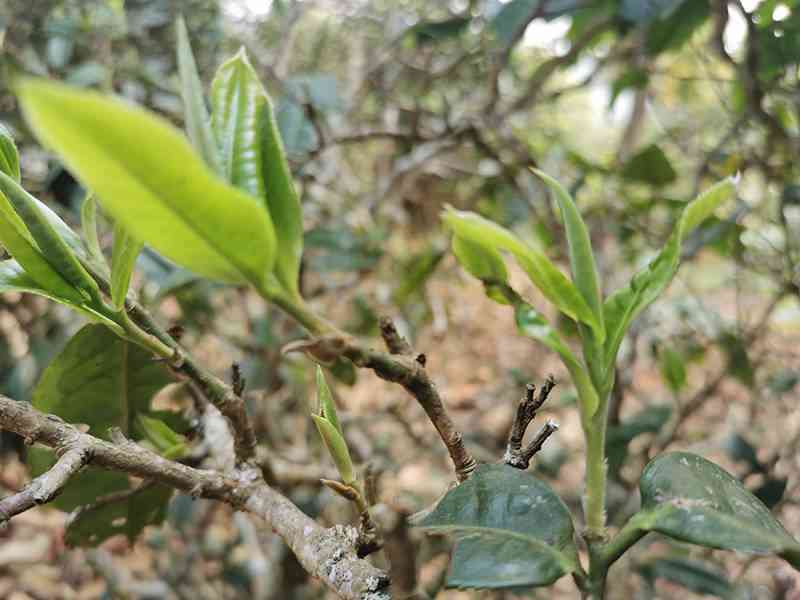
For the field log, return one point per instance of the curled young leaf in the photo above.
(123, 258)
(626, 303)
(553, 284)
(253, 159)
(49, 241)
(198, 123)
(9, 157)
(337, 448)
(147, 177)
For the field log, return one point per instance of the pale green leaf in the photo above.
(483, 262)
(198, 122)
(581, 256)
(9, 157)
(89, 228)
(123, 258)
(551, 282)
(327, 407)
(52, 246)
(254, 159)
(337, 448)
(147, 177)
(626, 303)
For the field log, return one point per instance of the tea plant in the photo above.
(223, 205)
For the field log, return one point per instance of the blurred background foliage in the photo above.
(389, 110)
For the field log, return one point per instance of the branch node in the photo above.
(515, 455)
(395, 343)
(238, 382)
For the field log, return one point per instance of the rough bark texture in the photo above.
(329, 554)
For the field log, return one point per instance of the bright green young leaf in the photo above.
(686, 497)
(626, 303)
(581, 256)
(16, 238)
(337, 448)
(148, 178)
(123, 259)
(198, 122)
(165, 441)
(9, 157)
(673, 368)
(127, 514)
(483, 262)
(52, 246)
(511, 530)
(89, 228)
(103, 381)
(551, 282)
(254, 160)
(327, 407)
(14, 279)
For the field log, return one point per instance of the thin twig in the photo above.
(515, 455)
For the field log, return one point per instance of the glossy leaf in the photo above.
(628, 302)
(123, 258)
(198, 122)
(511, 530)
(52, 246)
(124, 514)
(581, 256)
(9, 157)
(148, 178)
(14, 279)
(690, 574)
(551, 282)
(254, 160)
(337, 448)
(689, 498)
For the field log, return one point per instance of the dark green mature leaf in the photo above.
(649, 165)
(673, 368)
(632, 79)
(619, 437)
(123, 259)
(429, 32)
(581, 256)
(415, 271)
(198, 123)
(254, 160)
(126, 513)
(511, 529)
(645, 11)
(14, 279)
(689, 498)
(693, 575)
(52, 246)
(551, 282)
(626, 303)
(149, 178)
(9, 157)
(676, 29)
(513, 15)
(739, 364)
(103, 381)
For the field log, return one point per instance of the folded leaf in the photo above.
(551, 282)
(327, 407)
(19, 242)
(123, 258)
(198, 123)
(89, 228)
(626, 303)
(52, 246)
(581, 256)
(687, 497)
(9, 157)
(337, 448)
(148, 177)
(511, 530)
(14, 279)
(254, 160)
(483, 262)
